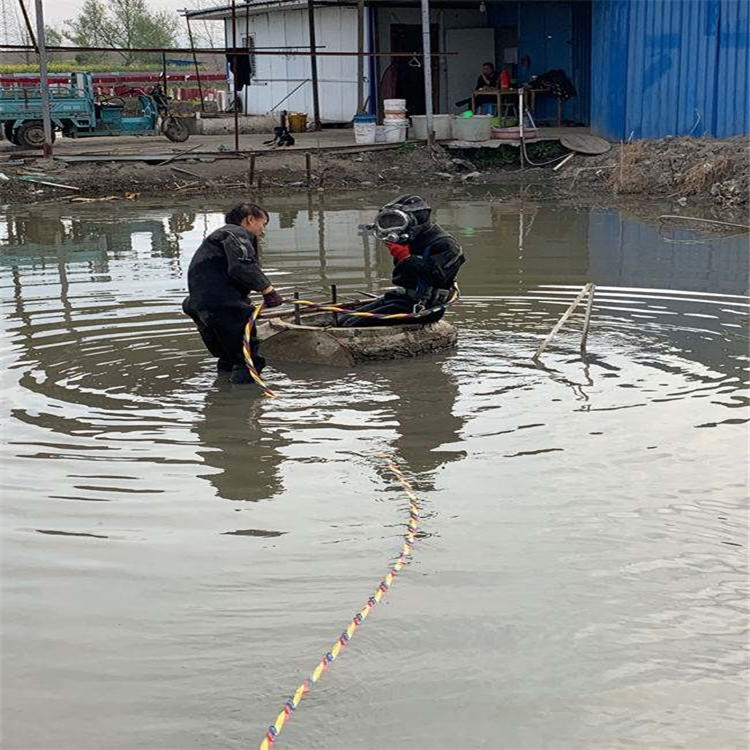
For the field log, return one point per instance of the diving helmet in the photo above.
(401, 220)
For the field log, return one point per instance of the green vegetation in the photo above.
(406, 148)
(70, 66)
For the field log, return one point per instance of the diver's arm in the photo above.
(243, 266)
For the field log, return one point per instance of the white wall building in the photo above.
(527, 37)
(283, 81)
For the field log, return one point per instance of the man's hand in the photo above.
(272, 298)
(398, 251)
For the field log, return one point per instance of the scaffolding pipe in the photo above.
(234, 79)
(27, 21)
(195, 64)
(313, 64)
(427, 65)
(360, 57)
(43, 82)
(291, 51)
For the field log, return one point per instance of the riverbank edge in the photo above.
(708, 175)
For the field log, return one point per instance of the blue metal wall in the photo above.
(669, 67)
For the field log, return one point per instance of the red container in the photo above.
(504, 79)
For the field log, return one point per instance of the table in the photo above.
(529, 96)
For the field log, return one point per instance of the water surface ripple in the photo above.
(177, 551)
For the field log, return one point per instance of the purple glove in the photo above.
(273, 299)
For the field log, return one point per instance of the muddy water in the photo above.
(178, 553)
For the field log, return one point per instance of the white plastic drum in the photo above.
(394, 105)
(395, 130)
(364, 129)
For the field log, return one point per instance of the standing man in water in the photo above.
(223, 271)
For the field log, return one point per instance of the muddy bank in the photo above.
(700, 174)
(691, 171)
(404, 165)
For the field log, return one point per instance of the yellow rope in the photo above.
(247, 353)
(286, 710)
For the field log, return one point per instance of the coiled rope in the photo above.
(275, 729)
(454, 297)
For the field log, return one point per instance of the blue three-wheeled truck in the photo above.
(78, 113)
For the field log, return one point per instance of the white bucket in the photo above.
(395, 130)
(379, 134)
(441, 125)
(395, 115)
(394, 105)
(364, 132)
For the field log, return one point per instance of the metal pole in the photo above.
(164, 71)
(43, 83)
(234, 78)
(521, 146)
(427, 65)
(360, 59)
(587, 319)
(195, 63)
(313, 64)
(28, 25)
(577, 301)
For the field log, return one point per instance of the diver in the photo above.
(223, 271)
(426, 260)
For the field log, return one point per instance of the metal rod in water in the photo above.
(334, 300)
(587, 319)
(297, 319)
(561, 322)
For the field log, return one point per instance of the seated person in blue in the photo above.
(426, 260)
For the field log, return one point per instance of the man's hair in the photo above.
(489, 65)
(242, 211)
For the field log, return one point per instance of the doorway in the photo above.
(407, 76)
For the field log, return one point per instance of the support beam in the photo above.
(195, 64)
(360, 59)
(234, 78)
(427, 66)
(43, 82)
(313, 64)
(29, 30)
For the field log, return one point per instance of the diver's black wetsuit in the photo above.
(425, 278)
(223, 271)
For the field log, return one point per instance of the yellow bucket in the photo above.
(297, 122)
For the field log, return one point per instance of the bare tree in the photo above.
(125, 24)
(206, 33)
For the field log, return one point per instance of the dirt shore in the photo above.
(703, 174)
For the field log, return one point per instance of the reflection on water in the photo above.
(180, 550)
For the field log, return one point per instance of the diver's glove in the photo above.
(273, 299)
(398, 250)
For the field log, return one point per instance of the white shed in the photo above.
(283, 81)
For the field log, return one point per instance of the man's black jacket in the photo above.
(225, 268)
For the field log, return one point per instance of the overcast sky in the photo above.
(56, 11)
